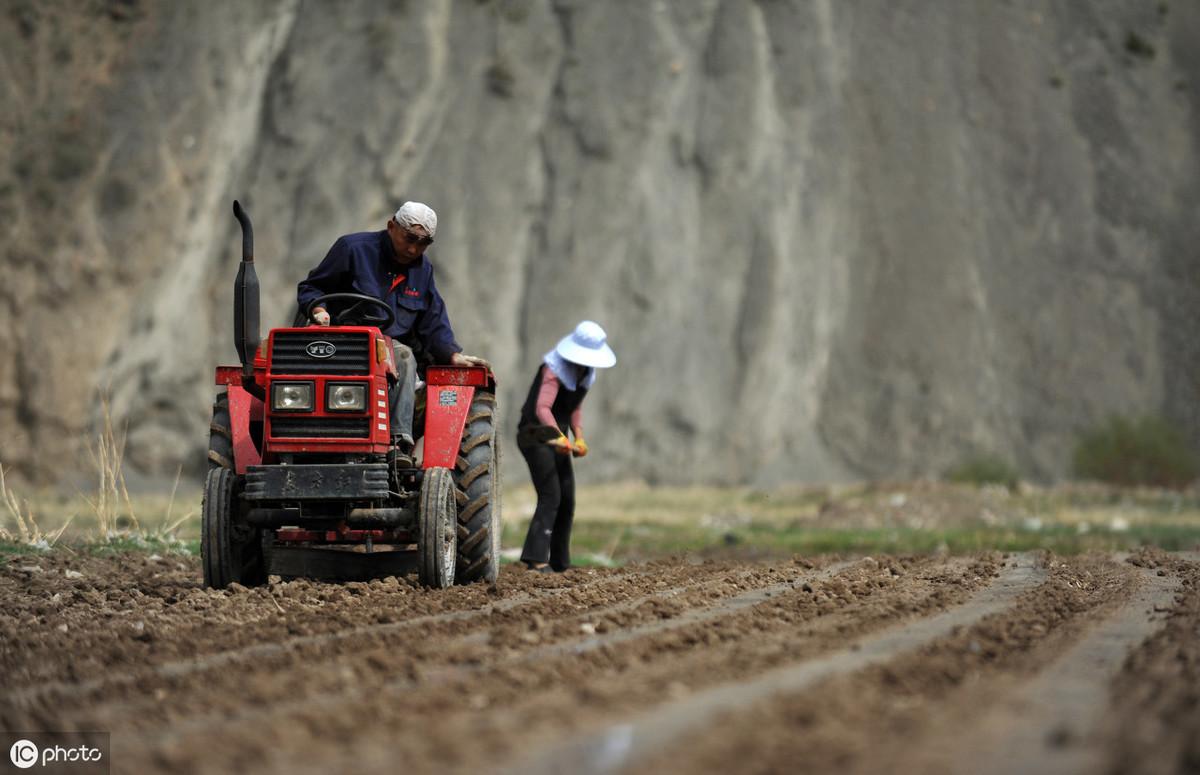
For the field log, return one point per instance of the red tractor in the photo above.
(300, 482)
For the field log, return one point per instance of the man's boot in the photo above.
(400, 454)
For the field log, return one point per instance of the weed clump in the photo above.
(1143, 451)
(984, 469)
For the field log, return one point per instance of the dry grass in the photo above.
(28, 533)
(106, 516)
(108, 455)
(169, 526)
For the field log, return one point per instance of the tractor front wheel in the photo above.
(231, 551)
(437, 539)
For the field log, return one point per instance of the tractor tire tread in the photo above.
(476, 570)
(472, 443)
(226, 559)
(465, 548)
(473, 508)
(477, 476)
(432, 523)
(474, 473)
(220, 435)
(476, 416)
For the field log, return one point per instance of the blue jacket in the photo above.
(366, 263)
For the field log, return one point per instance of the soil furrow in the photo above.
(439, 664)
(915, 664)
(1152, 724)
(621, 745)
(394, 655)
(313, 646)
(541, 700)
(910, 712)
(85, 617)
(1049, 725)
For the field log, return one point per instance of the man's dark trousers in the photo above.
(549, 537)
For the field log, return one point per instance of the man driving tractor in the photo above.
(391, 265)
(296, 486)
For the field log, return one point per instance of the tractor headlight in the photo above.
(342, 397)
(292, 396)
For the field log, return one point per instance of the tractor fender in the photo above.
(446, 408)
(244, 409)
(447, 403)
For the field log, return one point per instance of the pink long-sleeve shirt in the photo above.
(547, 392)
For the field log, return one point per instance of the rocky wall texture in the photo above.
(827, 239)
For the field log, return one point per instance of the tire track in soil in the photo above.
(451, 724)
(622, 745)
(1049, 724)
(311, 646)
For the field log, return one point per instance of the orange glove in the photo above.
(581, 448)
(561, 445)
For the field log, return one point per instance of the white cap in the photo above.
(416, 214)
(586, 346)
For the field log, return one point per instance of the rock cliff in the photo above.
(827, 239)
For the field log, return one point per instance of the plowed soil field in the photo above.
(989, 663)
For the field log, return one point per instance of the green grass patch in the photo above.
(620, 542)
(12, 549)
(140, 542)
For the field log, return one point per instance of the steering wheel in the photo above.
(355, 314)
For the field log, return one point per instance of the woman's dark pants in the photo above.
(549, 536)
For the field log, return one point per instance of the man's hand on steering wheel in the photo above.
(378, 313)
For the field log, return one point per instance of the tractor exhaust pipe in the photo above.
(245, 297)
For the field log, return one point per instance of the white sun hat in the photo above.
(586, 346)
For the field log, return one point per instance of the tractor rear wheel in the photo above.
(231, 550)
(220, 435)
(437, 540)
(477, 476)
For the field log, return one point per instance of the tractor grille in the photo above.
(289, 355)
(320, 427)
